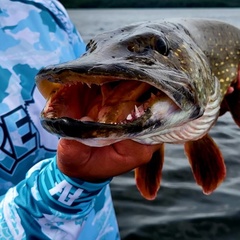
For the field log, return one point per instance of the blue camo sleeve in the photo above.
(34, 34)
(46, 204)
(49, 204)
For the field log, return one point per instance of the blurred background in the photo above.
(148, 3)
(180, 211)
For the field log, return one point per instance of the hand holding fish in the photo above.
(231, 100)
(98, 163)
(154, 83)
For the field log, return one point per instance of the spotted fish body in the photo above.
(155, 83)
(220, 43)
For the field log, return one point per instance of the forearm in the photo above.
(47, 199)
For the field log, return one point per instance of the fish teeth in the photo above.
(129, 117)
(141, 109)
(50, 115)
(153, 95)
(88, 84)
(137, 112)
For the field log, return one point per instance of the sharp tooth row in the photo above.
(88, 84)
(129, 117)
(138, 112)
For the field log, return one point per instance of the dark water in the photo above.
(181, 211)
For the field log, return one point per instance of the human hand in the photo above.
(95, 164)
(231, 100)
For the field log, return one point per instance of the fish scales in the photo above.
(221, 44)
(154, 83)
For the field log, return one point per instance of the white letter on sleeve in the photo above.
(64, 189)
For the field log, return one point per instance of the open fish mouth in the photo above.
(154, 83)
(112, 108)
(129, 86)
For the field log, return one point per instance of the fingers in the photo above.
(95, 164)
(71, 149)
(71, 155)
(230, 90)
(238, 79)
(121, 157)
(133, 152)
(236, 85)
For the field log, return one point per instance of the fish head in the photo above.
(132, 83)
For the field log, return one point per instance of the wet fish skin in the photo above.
(193, 62)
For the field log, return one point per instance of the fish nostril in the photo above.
(91, 46)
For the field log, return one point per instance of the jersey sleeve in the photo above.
(50, 205)
(34, 34)
(45, 204)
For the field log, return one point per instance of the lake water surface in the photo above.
(181, 211)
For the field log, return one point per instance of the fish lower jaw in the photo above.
(188, 131)
(101, 142)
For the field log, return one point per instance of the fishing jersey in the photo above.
(50, 205)
(45, 204)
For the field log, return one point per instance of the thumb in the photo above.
(71, 154)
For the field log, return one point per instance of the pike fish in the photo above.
(152, 82)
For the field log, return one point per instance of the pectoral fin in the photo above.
(207, 163)
(148, 176)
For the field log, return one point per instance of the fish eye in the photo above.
(161, 46)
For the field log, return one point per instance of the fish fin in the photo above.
(148, 176)
(207, 163)
(233, 100)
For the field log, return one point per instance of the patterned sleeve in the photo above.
(33, 34)
(45, 204)
(50, 205)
